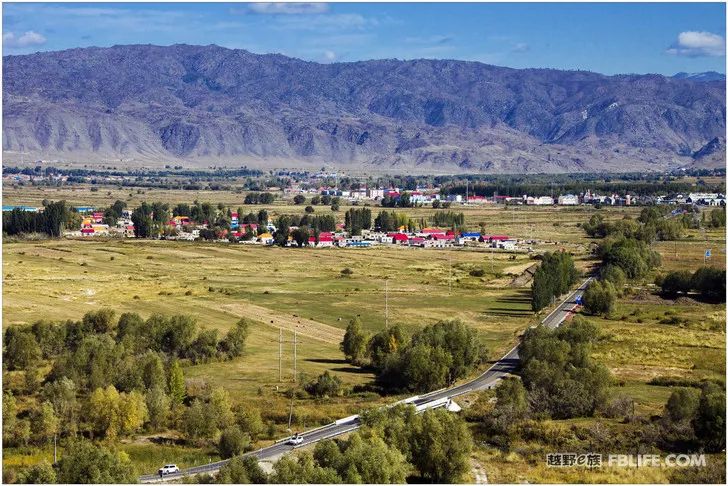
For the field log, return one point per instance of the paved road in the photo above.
(507, 364)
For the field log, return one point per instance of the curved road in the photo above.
(504, 366)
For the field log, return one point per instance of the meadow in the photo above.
(304, 290)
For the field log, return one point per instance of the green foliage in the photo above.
(299, 199)
(682, 404)
(21, 350)
(634, 257)
(709, 422)
(392, 221)
(436, 356)
(325, 385)
(554, 277)
(559, 373)
(242, 470)
(249, 420)
(614, 275)
(54, 218)
(232, 442)
(599, 298)
(84, 463)
(41, 473)
(176, 381)
(677, 282)
(354, 344)
(356, 220)
(441, 447)
(234, 343)
(710, 283)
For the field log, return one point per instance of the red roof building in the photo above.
(398, 237)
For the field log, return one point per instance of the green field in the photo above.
(304, 290)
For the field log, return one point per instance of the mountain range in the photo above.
(148, 105)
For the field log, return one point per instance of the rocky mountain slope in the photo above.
(207, 105)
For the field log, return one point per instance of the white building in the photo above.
(540, 201)
(568, 200)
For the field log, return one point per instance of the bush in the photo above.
(232, 442)
(325, 385)
(599, 298)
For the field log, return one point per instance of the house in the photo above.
(416, 241)
(398, 238)
(471, 236)
(477, 200)
(509, 244)
(324, 241)
(568, 200)
(266, 238)
(540, 201)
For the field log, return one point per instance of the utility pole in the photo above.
(386, 303)
(295, 349)
(449, 277)
(280, 355)
(55, 448)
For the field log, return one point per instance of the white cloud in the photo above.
(290, 8)
(520, 47)
(28, 39)
(329, 56)
(697, 44)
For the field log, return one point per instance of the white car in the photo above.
(168, 469)
(295, 440)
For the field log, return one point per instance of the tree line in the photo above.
(393, 446)
(708, 282)
(112, 378)
(52, 220)
(552, 278)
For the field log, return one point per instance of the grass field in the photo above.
(304, 290)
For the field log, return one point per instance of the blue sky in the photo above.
(608, 38)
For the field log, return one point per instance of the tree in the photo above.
(133, 412)
(177, 387)
(309, 209)
(709, 422)
(21, 349)
(325, 385)
(152, 371)
(45, 423)
(383, 344)
(368, 459)
(242, 470)
(677, 282)
(41, 473)
(84, 463)
(599, 298)
(220, 408)
(10, 418)
(232, 442)
(144, 226)
(615, 275)
(316, 200)
(300, 236)
(354, 345)
(554, 277)
(299, 199)
(158, 406)
(249, 420)
(197, 422)
(682, 404)
(103, 412)
(234, 343)
(441, 445)
(710, 283)
(557, 370)
(62, 395)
